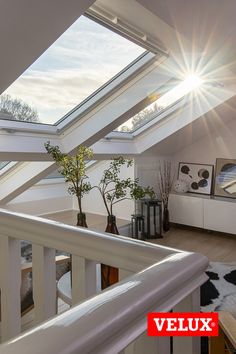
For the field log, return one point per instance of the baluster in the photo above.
(44, 282)
(190, 345)
(84, 279)
(10, 282)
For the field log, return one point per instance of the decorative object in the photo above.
(164, 182)
(73, 168)
(219, 291)
(199, 177)
(152, 212)
(110, 275)
(181, 186)
(114, 189)
(137, 226)
(225, 178)
(166, 219)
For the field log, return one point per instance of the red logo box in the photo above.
(182, 324)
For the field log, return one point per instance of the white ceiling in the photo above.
(208, 24)
(213, 123)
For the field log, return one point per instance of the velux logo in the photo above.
(182, 324)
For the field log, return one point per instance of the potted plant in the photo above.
(73, 169)
(113, 190)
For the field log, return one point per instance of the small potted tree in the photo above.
(113, 190)
(73, 169)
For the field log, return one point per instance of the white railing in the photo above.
(159, 279)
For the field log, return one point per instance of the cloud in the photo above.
(85, 57)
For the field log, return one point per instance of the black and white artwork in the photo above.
(225, 178)
(198, 177)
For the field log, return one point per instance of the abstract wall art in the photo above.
(198, 177)
(225, 178)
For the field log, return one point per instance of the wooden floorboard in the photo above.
(218, 247)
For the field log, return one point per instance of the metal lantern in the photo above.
(152, 212)
(137, 225)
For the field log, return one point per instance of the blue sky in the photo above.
(85, 57)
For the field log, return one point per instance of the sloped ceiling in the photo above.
(212, 123)
(208, 25)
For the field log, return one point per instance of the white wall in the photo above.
(216, 144)
(47, 196)
(220, 144)
(51, 195)
(146, 169)
(93, 203)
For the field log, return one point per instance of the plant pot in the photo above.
(110, 275)
(166, 219)
(81, 220)
(111, 225)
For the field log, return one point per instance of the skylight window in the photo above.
(3, 164)
(84, 58)
(161, 103)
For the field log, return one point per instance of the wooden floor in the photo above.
(216, 246)
(94, 221)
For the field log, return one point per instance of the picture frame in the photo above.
(198, 177)
(225, 178)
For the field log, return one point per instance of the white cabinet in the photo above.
(186, 210)
(220, 215)
(207, 212)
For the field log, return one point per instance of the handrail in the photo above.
(108, 322)
(98, 324)
(121, 252)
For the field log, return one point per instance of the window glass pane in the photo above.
(166, 98)
(84, 58)
(57, 174)
(3, 164)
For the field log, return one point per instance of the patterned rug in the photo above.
(219, 292)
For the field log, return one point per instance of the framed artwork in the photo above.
(198, 176)
(225, 178)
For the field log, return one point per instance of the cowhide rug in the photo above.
(219, 292)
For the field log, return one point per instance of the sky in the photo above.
(84, 58)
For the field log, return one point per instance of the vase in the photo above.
(110, 275)
(81, 220)
(166, 219)
(111, 225)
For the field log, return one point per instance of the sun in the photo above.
(192, 82)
